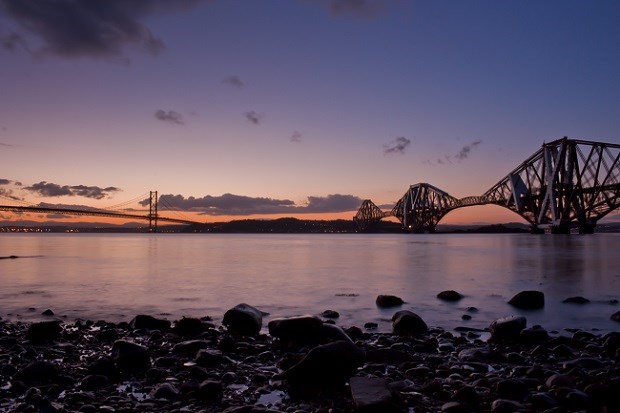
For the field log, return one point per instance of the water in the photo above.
(116, 276)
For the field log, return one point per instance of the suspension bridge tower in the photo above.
(153, 212)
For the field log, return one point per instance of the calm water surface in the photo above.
(114, 277)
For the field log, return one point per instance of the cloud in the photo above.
(5, 144)
(92, 28)
(357, 8)
(8, 192)
(398, 145)
(464, 152)
(230, 204)
(296, 137)
(54, 190)
(12, 42)
(254, 117)
(234, 81)
(170, 116)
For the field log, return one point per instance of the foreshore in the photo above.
(302, 364)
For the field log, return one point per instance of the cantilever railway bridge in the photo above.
(152, 215)
(567, 183)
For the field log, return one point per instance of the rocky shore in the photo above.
(303, 364)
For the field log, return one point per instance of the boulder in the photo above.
(507, 328)
(305, 331)
(528, 300)
(43, 331)
(165, 391)
(189, 326)
(38, 372)
(371, 394)
(209, 358)
(130, 356)
(386, 301)
(210, 390)
(616, 316)
(330, 314)
(327, 365)
(408, 323)
(148, 322)
(94, 382)
(243, 319)
(449, 295)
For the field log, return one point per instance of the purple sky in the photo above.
(317, 103)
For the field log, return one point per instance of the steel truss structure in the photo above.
(566, 184)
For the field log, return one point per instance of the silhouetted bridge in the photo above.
(566, 184)
(152, 215)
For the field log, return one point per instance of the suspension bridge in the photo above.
(566, 184)
(120, 211)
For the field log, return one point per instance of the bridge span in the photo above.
(566, 184)
(152, 216)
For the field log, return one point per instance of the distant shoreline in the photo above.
(279, 226)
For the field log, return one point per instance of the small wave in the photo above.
(180, 299)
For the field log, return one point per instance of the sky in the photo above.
(266, 108)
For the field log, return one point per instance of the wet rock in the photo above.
(507, 328)
(209, 358)
(305, 331)
(129, 355)
(512, 389)
(371, 394)
(386, 301)
(38, 372)
(408, 323)
(449, 295)
(148, 322)
(505, 406)
(455, 407)
(189, 326)
(616, 316)
(243, 319)
(327, 365)
(165, 391)
(94, 382)
(43, 331)
(534, 335)
(190, 347)
(330, 314)
(48, 312)
(528, 300)
(210, 390)
(576, 300)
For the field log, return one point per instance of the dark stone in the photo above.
(505, 406)
(528, 300)
(371, 394)
(455, 407)
(38, 372)
(48, 312)
(210, 390)
(512, 389)
(94, 382)
(507, 328)
(43, 331)
(371, 325)
(408, 323)
(165, 391)
(209, 358)
(191, 347)
(386, 301)
(466, 317)
(616, 316)
(189, 326)
(305, 331)
(148, 322)
(330, 314)
(576, 300)
(449, 295)
(534, 335)
(107, 335)
(129, 356)
(243, 319)
(327, 365)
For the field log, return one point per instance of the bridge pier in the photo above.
(535, 230)
(586, 229)
(560, 229)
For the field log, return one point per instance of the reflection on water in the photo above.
(114, 277)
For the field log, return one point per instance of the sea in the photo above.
(114, 277)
